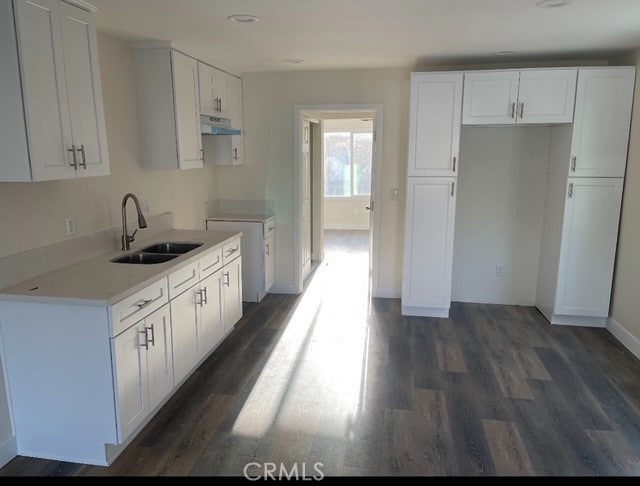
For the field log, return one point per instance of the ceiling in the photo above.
(341, 34)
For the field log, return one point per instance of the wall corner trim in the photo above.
(628, 340)
(8, 450)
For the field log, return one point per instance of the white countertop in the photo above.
(241, 217)
(100, 282)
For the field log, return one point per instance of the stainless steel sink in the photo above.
(142, 258)
(171, 247)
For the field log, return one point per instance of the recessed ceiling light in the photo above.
(552, 3)
(243, 18)
(503, 53)
(293, 61)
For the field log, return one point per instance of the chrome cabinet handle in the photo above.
(271, 228)
(235, 154)
(151, 341)
(513, 109)
(267, 249)
(226, 276)
(574, 161)
(231, 251)
(204, 293)
(522, 109)
(453, 188)
(143, 303)
(455, 161)
(145, 344)
(202, 154)
(84, 157)
(201, 301)
(74, 164)
(571, 190)
(218, 104)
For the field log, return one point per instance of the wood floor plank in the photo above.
(507, 450)
(449, 353)
(619, 456)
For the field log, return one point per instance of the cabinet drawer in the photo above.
(182, 279)
(269, 228)
(230, 251)
(137, 306)
(211, 263)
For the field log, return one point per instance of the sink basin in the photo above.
(141, 258)
(171, 247)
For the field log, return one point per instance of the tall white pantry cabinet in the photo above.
(589, 113)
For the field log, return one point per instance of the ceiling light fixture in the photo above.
(293, 61)
(243, 18)
(552, 3)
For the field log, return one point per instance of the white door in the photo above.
(587, 254)
(434, 131)
(205, 85)
(490, 98)
(159, 355)
(431, 205)
(232, 292)
(211, 328)
(85, 93)
(269, 263)
(130, 350)
(306, 198)
(185, 320)
(601, 128)
(546, 96)
(45, 91)
(187, 106)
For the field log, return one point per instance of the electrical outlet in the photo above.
(499, 270)
(70, 226)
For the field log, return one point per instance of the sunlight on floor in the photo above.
(313, 377)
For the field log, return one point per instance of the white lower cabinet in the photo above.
(232, 292)
(185, 319)
(143, 368)
(269, 262)
(211, 329)
(428, 255)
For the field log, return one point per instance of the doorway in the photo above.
(339, 155)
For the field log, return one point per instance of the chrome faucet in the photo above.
(142, 223)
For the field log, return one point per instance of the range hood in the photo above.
(211, 125)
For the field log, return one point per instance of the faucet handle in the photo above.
(132, 237)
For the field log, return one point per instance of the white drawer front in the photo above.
(230, 251)
(137, 306)
(210, 263)
(269, 228)
(182, 279)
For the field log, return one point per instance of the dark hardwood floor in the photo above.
(336, 378)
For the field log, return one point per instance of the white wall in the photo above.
(269, 100)
(627, 277)
(32, 214)
(499, 213)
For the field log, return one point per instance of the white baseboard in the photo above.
(8, 450)
(284, 289)
(425, 311)
(581, 321)
(346, 226)
(627, 339)
(386, 293)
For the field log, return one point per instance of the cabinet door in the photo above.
(269, 263)
(490, 98)
(429, 243)
(546, 96)
(205, 84)
(221, 93)
(44, 89)
(603, 116)
(434, 135)
(84, 91)
(211, 328)
(130, 367)
(232, 292)
(237, 150)
(185, 321)
(187, 106)
(159, 355)
(587, 255)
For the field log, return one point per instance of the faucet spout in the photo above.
(142, 222)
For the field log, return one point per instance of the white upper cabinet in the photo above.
(546, 96)
(56, 80)
(434, 131)
(208, 103)
(542, 96)
(490, 98)
(168, 96)
(600, 139)
(85, 99)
